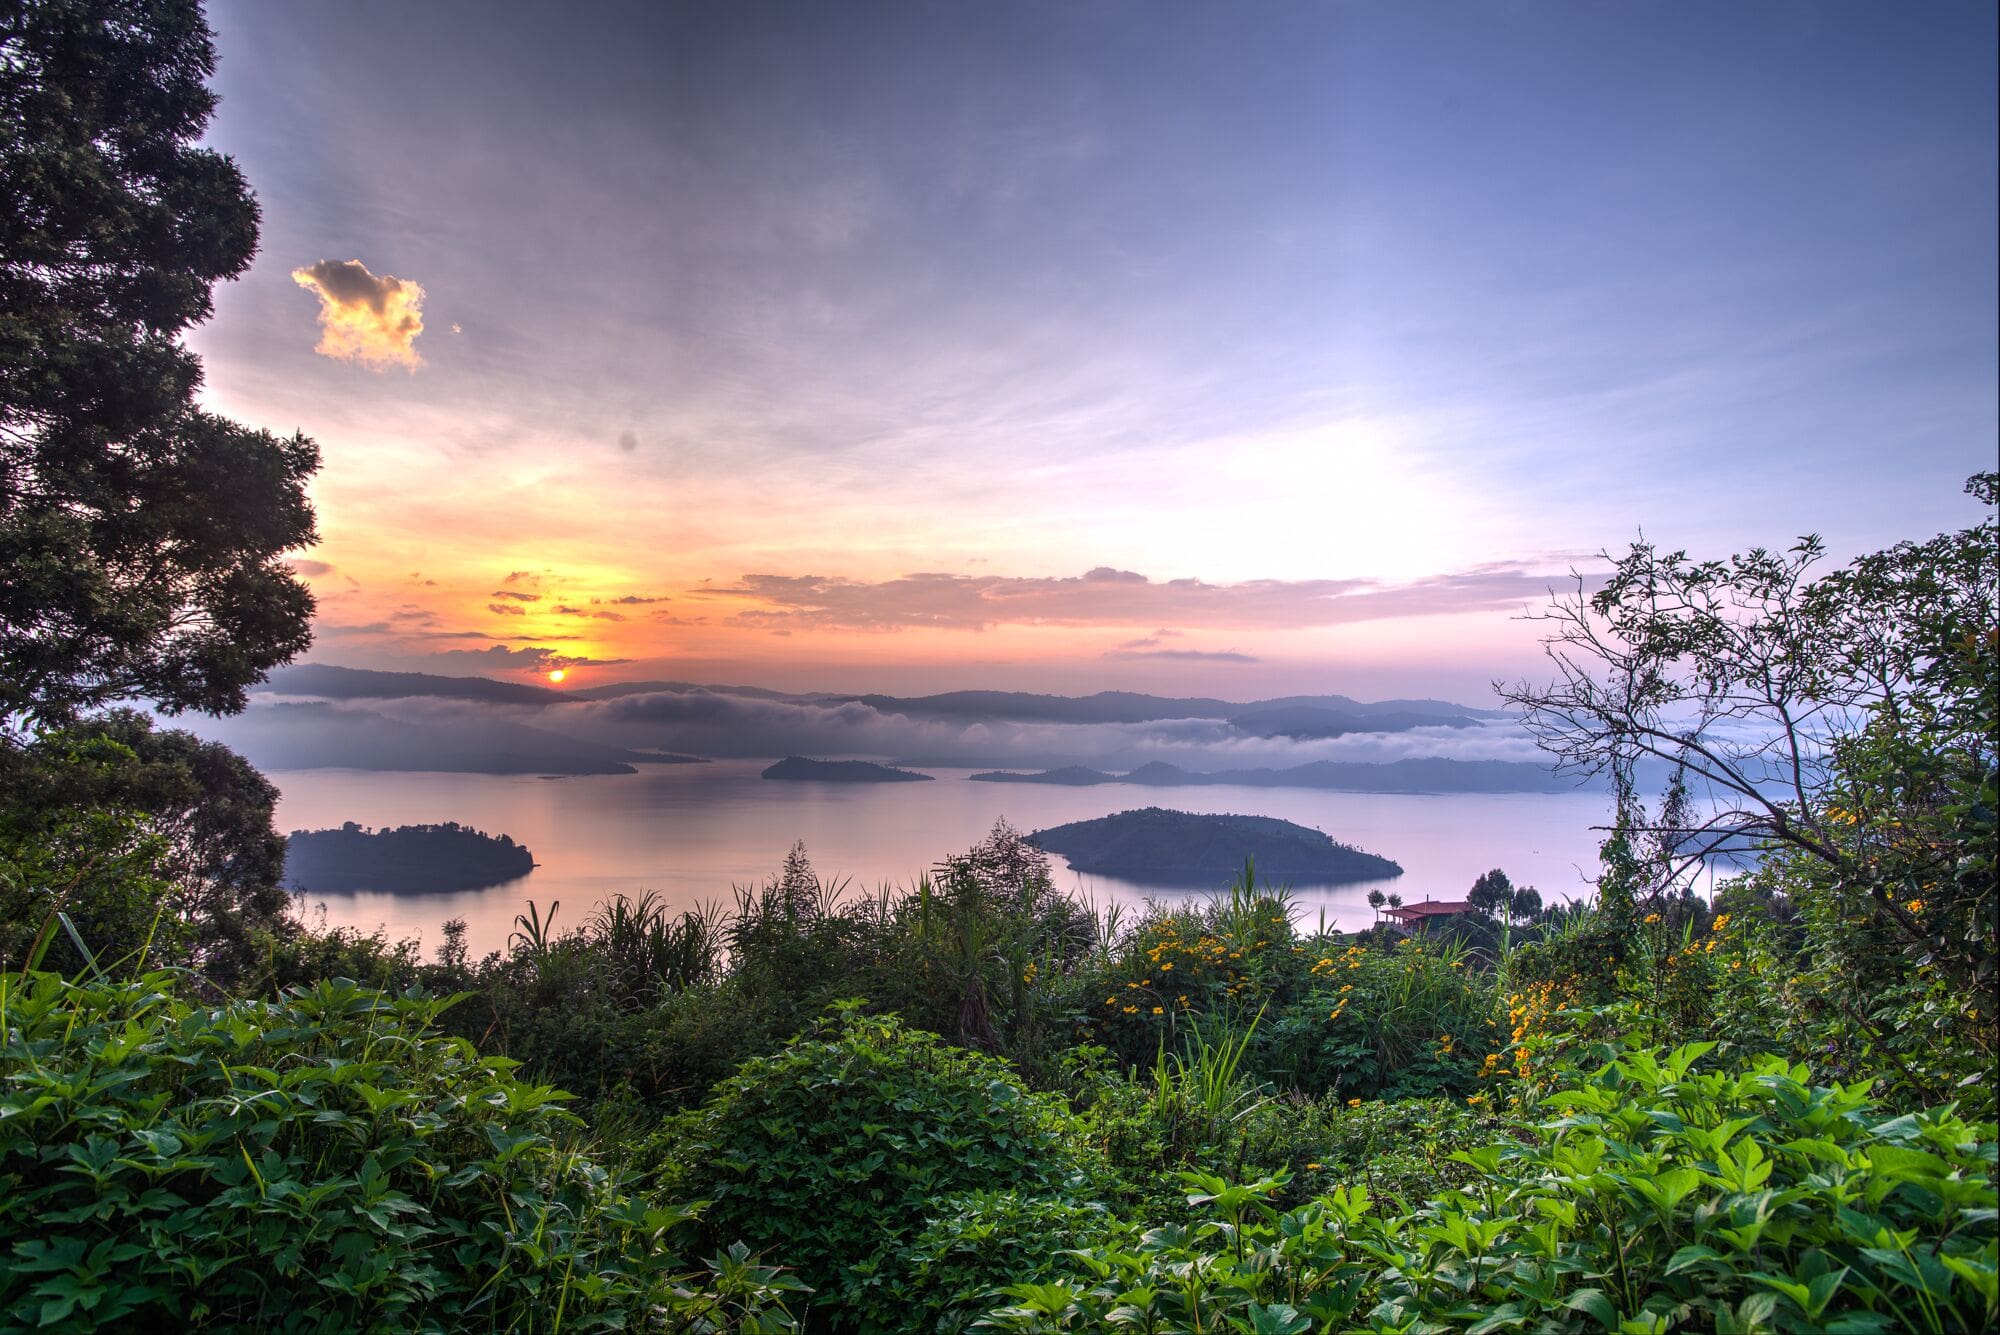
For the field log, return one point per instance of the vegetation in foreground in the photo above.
(974, 1104)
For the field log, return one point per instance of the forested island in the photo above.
(800, 769)
(406, 859)
(1178, 847)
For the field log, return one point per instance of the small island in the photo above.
(800, 769)
(1163, 847)
(408, 859)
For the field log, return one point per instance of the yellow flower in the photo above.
(1164, 968)
(1159, 1010)
(1652, 917)
(1915, 906)
(1312, 1167)
(1354, 1103)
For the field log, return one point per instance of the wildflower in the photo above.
(1111, 1001)
(1167, 967)
(1915, 906)
(1652, 917)
(1312, 1168)
(1475, 1099)
(1354, 1103)
(1159, 1010)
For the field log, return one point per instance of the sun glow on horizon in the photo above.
(556, 675)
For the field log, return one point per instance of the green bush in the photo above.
(833, 1152)
(1662, 1198)
(322, 1162)
(951, 1274)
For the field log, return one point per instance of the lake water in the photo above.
(693, 831)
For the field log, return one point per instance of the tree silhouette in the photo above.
(140, 536)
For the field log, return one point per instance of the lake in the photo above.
(692, 832)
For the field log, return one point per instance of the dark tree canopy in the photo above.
(139, 536)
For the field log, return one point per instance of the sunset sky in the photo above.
(1237, 350)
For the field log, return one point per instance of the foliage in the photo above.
(1846, 724)
(1661, 1197)
(141, 535)
(319, 1162)
(82, 889)
(972, 1246)
(219, 857)
(833, 1151)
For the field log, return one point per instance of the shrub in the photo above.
(832, 1152)
(322, 1162)
(951, 1273)
(1662, 1198)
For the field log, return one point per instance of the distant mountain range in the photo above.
(336, 717)
(1301, 716)
(1430, 775)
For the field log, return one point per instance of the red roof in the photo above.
(1430, 908)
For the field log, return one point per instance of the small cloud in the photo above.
(628, 441)
(455, 329)
(310, 569)
(507, 609)
(533, 658)
(1183, 655)
(517, 597)
(1106, 575)
(522, 577)
(363, 318)
(634, 600)
(565, 610)
(1150, 642)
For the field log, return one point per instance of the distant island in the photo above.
(664, 758)
(1430, 775)
(1179, 848)
(407, 859)
(798, 768)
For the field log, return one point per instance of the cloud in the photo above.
(628, 441)
(1107, 597)
(634, 600)
(522, 577)
(507, 609)
(533, 658)
(717, 722)
(517, 597)
(1134, 650)
(363, 318)
(568, 611)
(310, 569)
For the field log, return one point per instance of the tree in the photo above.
(1848, 721)
(217, 859)
(140, 536)
(1492, 894)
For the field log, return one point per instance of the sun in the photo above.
(557, 674)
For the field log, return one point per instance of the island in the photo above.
(800, 769)
(407, 859)
(1161, 847)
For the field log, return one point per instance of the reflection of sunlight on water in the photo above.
(693, 832)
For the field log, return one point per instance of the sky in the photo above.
(1234, 350)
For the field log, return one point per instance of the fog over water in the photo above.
(692, 831)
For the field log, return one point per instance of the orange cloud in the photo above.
(362, 317)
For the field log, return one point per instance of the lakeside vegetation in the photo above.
(976, 1104)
